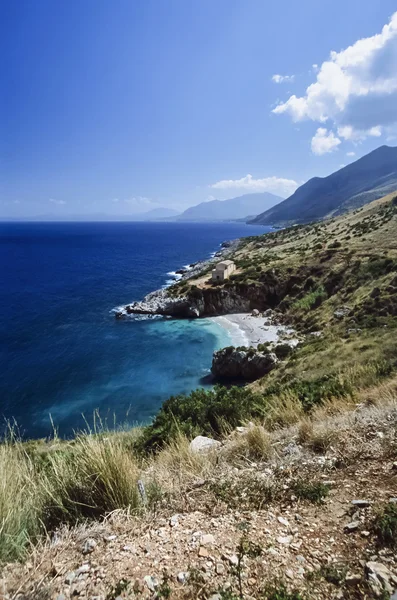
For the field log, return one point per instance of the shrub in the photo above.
(280, 592)
(312, 299)
(385, 526)
(282, 351)
(314, 491)
(200, 413)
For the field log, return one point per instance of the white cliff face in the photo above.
(159, 303)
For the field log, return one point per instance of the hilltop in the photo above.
(241, 207)
(295, 497)
(364, 180)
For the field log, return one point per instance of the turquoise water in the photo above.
(63, 354)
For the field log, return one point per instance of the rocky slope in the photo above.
(288, 522)
(364, 180)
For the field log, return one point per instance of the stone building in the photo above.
(223, 270)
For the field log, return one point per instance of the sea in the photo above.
(63, 356)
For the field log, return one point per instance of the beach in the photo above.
(245, 329)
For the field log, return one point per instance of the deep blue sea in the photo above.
(63, 354)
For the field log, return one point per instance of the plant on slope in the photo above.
(385, 526)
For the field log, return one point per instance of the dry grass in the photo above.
(176, 464)
(19, 503)
(254, 443)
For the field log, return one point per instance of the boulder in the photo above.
(203, 444)
(379, 578)
(234, 364)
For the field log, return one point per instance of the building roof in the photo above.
(225, 263)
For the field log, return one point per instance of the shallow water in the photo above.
(62, 352)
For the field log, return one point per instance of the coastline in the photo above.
(245, 329)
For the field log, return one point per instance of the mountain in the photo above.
(371, 177)
(156, 213)
(234, 208)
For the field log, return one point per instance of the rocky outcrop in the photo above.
(242, 364)
(160, 303)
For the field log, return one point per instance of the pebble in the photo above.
(70, 577)
(353, 526)
(182, 576)
(89, 546)
(174, 520)
(284, 539)
(207, 539)
(85, 568)
(203, 552)
(361, 503)
(289, 574)
(220, 568)
(283, 521)
(151, 582)
(353, 578)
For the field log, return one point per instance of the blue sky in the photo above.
(120, 106)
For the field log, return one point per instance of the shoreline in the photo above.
(245, 329)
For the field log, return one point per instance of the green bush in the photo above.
(312, 299)
(313, 491)
(385, 526)
(282, 351)
(202, 412)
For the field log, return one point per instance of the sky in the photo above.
(120, 106)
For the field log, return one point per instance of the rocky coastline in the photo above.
(160, 302)
(244, 306)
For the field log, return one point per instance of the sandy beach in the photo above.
(247, 330)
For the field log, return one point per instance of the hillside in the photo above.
(295, 496)
(364, 180)
(234, 208)
(156, 214)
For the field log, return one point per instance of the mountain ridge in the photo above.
(368, 178)
(240, 207)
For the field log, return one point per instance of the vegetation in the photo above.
(314, 492)
(385, 526)
(336, 282)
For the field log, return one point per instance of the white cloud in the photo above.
(324, 141)
(283, 78)
(276, 185)
(210, 198)
(55, 201)
(355, 90)
(350, 154)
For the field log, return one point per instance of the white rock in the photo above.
(207, 539)
(203, 444)
(283, 521)
(151, 582)
(70, 577)
(182, 576)
(89, 546)
(285, 540)
(174, 520)
(378, 576)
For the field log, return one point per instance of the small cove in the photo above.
(62, 352)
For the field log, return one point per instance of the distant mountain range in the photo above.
(156, 214)
(364, 180)
(239, 208)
